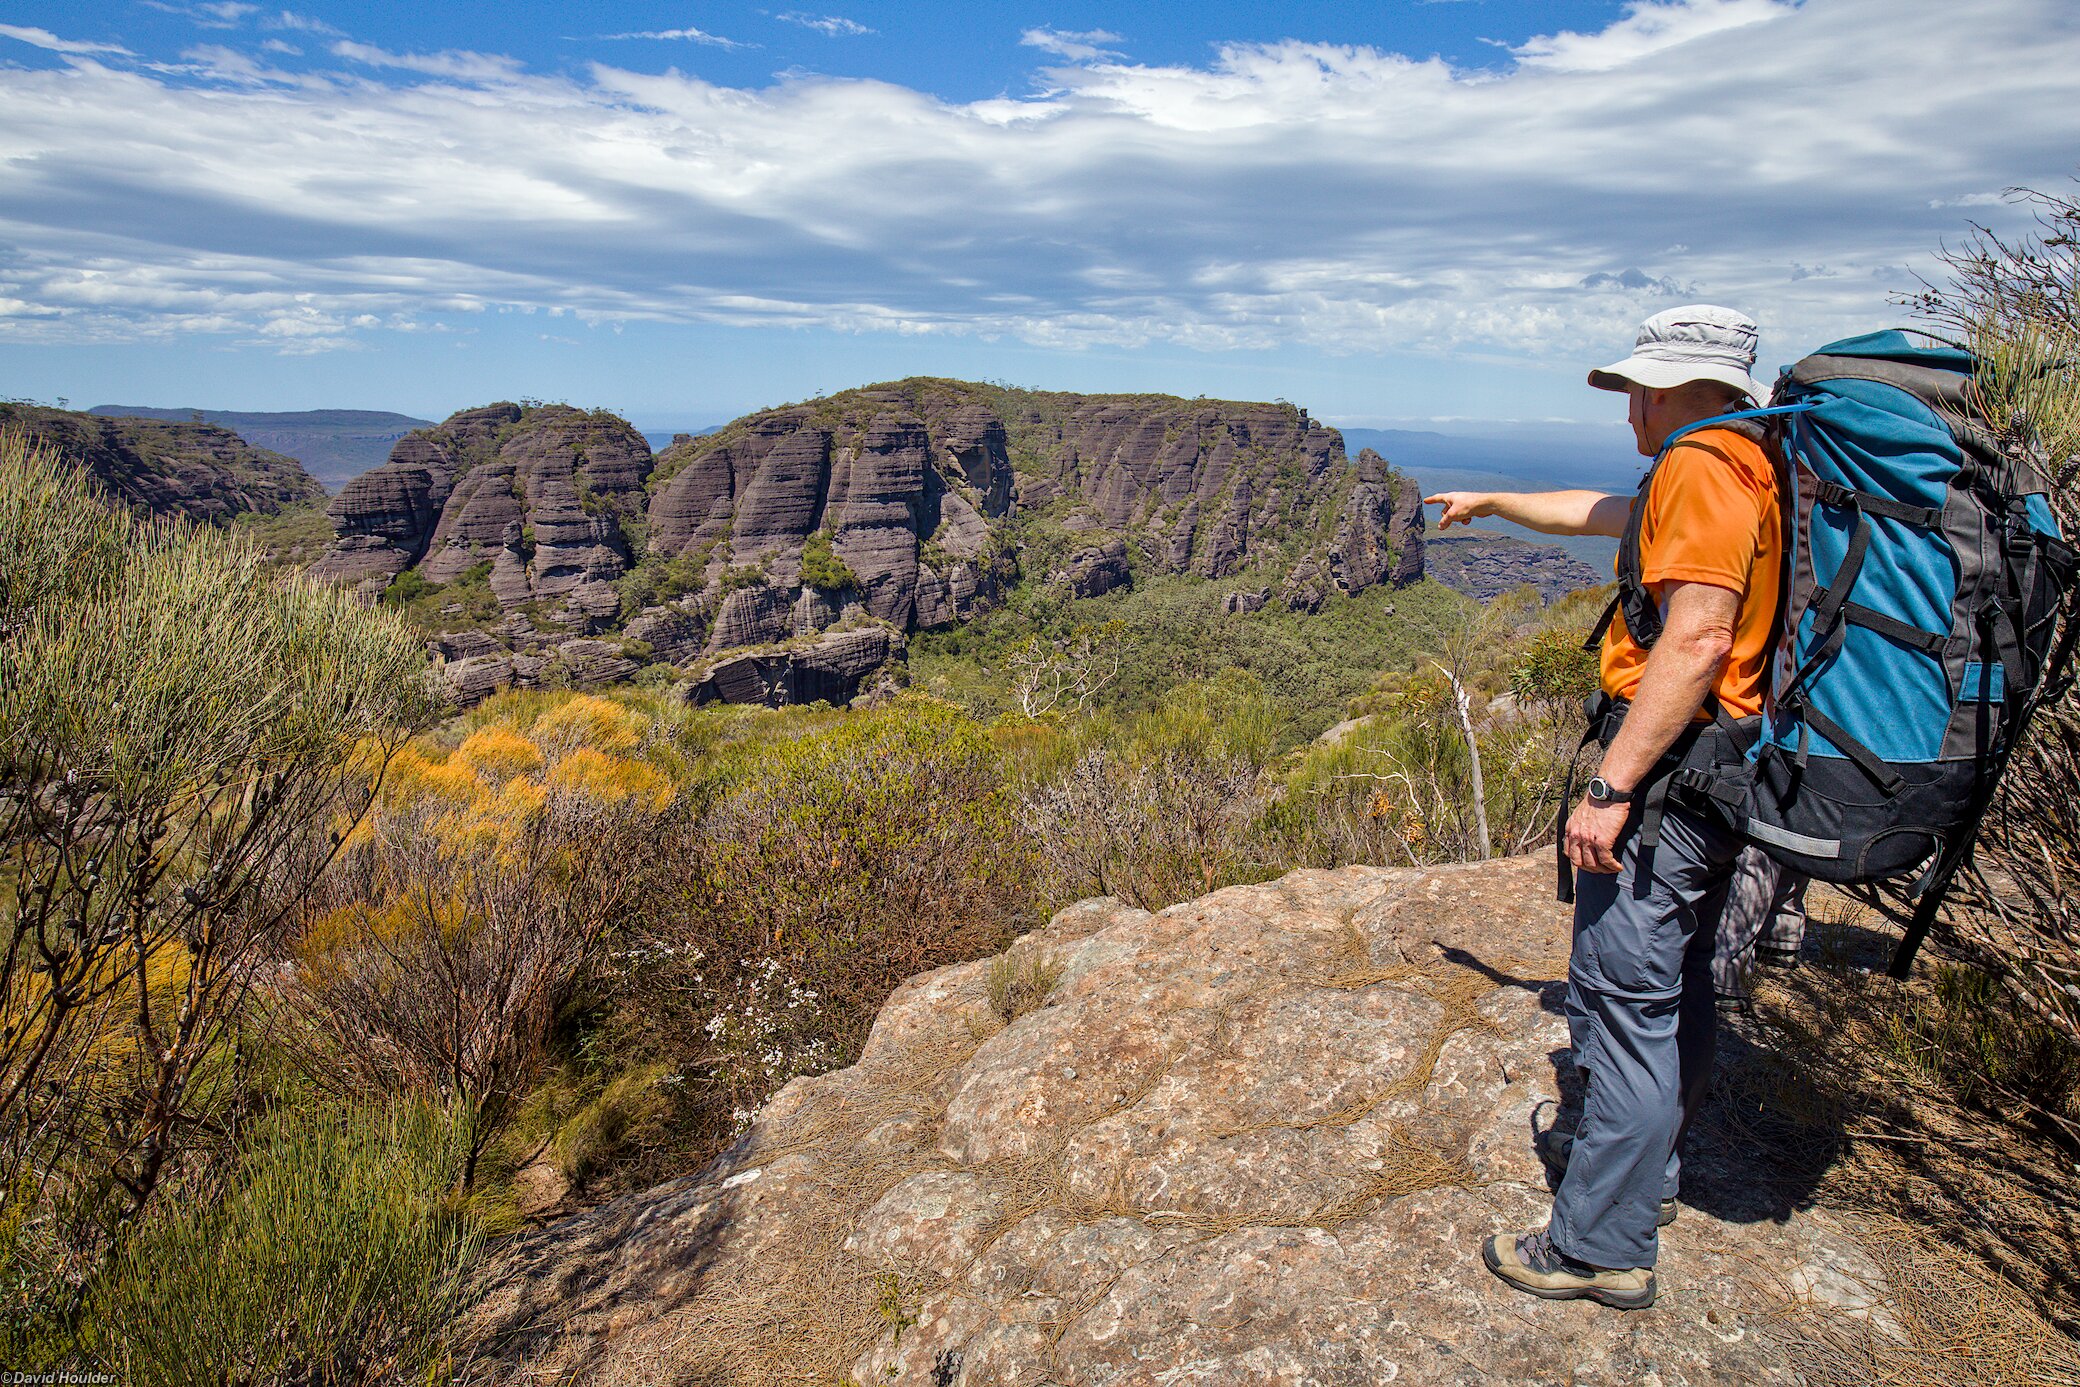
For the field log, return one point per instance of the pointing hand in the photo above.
(1460, 507)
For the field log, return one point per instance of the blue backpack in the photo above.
(1926, 576)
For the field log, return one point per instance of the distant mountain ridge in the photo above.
(334, 445)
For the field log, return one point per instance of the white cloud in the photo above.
(468, 67)
(834, 26)
(44, 38)
(1086, 46)
(300, 23)
(690, 35)
(1648, 28)
(1341, 197)
(225, 14)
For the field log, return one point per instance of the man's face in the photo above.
(1637, 413)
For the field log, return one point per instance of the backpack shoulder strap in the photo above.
(1642, 613)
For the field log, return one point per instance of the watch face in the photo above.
(1599, 788)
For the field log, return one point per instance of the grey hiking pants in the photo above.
(1643, 1020)
(1765, 918)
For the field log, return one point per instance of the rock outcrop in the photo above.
(334, 445)
(908, 505)
(830, 669)
(1485, 566)
(168, 467)
(542, 496)
(1253, 1138)
(1095, 568)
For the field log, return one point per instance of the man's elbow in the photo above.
(1709, 646)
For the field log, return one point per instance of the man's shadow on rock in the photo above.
(1754, 1153)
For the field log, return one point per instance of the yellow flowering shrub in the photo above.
(589, 721)
(611, 779)
(499, 752)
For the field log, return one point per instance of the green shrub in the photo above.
(627, 1108)
(408, 587)
(183, 737)
(337, 1256)
(821, 566)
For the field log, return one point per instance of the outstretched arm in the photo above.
(1549, 512)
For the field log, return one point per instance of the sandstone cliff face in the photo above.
(167, 467)
(544, 496)
(913, 482)
(1484, 566)
(903, 506)
(1253, 1138)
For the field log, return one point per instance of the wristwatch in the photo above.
(1603, 792)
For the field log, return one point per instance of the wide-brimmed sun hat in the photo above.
(1699, 341)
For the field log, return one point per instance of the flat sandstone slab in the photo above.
(1254, 1138)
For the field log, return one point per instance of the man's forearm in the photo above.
(1680, 671)
(1563, 512)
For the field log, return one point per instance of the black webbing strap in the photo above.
(1913, 637)
(1827, 607)
(1603, 625)
(1840, 497)
(1603, 713)
(1884, 776)
(1606, 715)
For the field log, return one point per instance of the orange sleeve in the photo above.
(1703, 521)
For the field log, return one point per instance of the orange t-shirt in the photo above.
(1712, 517)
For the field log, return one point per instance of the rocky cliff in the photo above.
(334, 445)
(1486, 565)
(1253, 1138)
(903, 506)
(198, 470)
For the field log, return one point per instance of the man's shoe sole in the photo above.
(1616, 1300)
(1662, 1219)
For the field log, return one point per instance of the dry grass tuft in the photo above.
(1408, 1166)
(1942, 1317)
(1019, 981)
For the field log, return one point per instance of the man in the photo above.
(1639, 985)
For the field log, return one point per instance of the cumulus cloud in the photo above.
(1084, 46)
(44, 38)
(1337, 196)
(834, 26)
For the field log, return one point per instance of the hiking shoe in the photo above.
(1555, 1147)
(1531, 1263)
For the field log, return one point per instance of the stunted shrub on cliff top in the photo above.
(336, 1257)
(463, 914)
(824, 858)
(178, 731)
(1167, 807)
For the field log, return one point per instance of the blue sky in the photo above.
(1386, 212)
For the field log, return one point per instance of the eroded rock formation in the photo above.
(1484, 566)
(169, 467)
(906, 505)
(1253, 1138)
